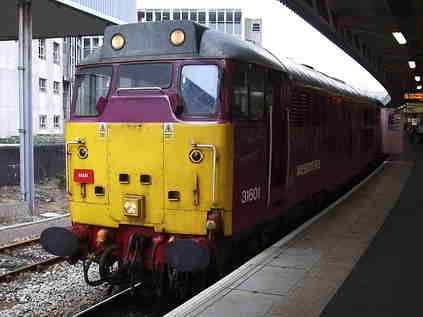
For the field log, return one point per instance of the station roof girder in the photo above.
(363, 28)
(54, 18)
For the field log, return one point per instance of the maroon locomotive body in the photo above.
(186, 144)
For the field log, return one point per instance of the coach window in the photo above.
(240, 92)
(199, 89)
(256, 92)
(144, 75)
(92, 85)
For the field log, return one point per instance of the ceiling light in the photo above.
(412, 64)
(417, 78)
(399, 37)
(419, 87)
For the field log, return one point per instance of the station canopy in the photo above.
(54, 18)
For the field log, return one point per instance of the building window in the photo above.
(56, 53)
(56, 121)
(166, 15)
(184, 15)
(202, 17)
(87, 47)
(255, 27)
(43, 121)
(221, 20)
(42, 49)
(149, 16)
(42, 84)
(56, 88)
(193, 15)
(237, 25)
(229, 21)
(212, 19)
(141, 16)
(158, 15)
(96, 43)
(176, 14)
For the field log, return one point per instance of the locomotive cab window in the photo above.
(144, 75)
(199, 89)
(92, 87)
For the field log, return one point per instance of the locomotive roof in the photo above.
(150, 41)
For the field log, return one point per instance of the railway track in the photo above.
(23, 256)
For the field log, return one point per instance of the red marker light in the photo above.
(83, 176)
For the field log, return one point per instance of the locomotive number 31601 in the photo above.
(251, 194)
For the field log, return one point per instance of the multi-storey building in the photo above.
(47, 90)
(227, 20)
(53, 64)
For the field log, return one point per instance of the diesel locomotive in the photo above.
(184, 141)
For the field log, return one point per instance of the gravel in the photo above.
(49, 197)
(58, 291)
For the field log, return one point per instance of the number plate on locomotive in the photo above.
(83, 176)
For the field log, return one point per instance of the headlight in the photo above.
(118, 41)
(177, 37)
(133, 205)
(130, 207)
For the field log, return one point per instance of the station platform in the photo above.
(359, 257)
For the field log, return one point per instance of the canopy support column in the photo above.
(25, 104)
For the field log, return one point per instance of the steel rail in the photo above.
(91, 310)
(27, 267)
(19, 243)
(31, 266)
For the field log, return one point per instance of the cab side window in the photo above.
(240, 92)
(256, 92)
(248, 99)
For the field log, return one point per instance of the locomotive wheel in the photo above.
(110, 267)
(179, 284)
(225, 259)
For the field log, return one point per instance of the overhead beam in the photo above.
(349, 45)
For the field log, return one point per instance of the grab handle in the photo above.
(67, 165)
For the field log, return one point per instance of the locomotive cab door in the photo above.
(276, 97)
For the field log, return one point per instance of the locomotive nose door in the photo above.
(135, 151)
(86, 162)
(87, 173)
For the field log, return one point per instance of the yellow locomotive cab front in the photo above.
(166, 176)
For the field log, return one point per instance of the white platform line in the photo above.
(206, 298)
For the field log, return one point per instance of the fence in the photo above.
(49, 161)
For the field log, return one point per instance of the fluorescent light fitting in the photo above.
(399, 37)
(419, 87)
(412, 64)
(417, 78)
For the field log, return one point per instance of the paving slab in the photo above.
(299, 275)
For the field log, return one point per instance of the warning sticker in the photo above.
(102, 130)
(168, 130)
